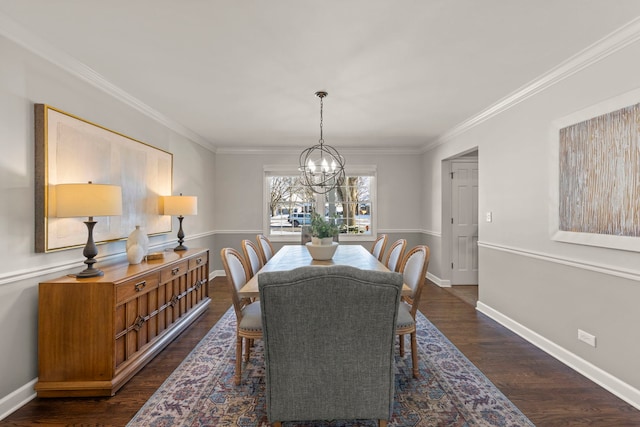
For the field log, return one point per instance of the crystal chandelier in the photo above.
(321, 165)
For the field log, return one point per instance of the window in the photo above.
(289, 205)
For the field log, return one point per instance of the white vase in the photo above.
(138, 237)
(135, 254)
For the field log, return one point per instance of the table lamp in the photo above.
(180, 205)
(79, 200)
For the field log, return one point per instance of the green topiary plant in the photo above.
(322, 228)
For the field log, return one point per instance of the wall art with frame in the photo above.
(69, 149)
(595, 182)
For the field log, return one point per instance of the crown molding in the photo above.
(343, 150)
(613, 42)
(47, 51)
(618, 39)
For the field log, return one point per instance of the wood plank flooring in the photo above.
(545, 390)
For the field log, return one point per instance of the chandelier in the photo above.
(321, 165)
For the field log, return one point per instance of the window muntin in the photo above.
(289, 205)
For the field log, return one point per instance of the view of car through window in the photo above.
(291, 205)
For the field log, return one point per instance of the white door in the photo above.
(464, 222)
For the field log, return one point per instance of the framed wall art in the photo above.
(596, 175)
(69, 149)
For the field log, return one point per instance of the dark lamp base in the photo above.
(90, 272)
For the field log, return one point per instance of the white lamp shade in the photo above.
(180, 205)
(80, 200)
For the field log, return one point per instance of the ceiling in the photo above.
(242, 74)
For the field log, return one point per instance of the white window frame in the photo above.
(368, 170)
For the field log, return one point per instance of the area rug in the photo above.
(451, 391)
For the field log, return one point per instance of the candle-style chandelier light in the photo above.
(321, 165)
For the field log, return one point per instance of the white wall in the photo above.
(240, 201)
(26, 79)
(542, 288)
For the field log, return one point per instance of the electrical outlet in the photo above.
(489, 217)
(587, 337)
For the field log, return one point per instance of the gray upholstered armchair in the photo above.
(329, 343)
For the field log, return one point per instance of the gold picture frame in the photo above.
(69, 149)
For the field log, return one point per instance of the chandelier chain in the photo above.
(321, 120)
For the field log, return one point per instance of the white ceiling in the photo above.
(242, 74)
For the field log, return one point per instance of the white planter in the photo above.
(322, 252)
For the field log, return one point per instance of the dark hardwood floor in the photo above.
(545, 390)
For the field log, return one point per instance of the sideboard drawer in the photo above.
(132, 288)
(174, 271)
(198, 261)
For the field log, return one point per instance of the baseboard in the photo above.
(438, 281)
(18, 398)
(607, 381)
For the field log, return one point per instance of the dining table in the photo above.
(294, 256)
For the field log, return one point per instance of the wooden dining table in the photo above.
(294, 256)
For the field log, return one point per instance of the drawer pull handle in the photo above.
(175, 271)
(198, 261)
(140, 286)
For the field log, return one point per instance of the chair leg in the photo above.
(238, 359)
(382, 423)
(401, 345)
(247, 349)
(414, 355)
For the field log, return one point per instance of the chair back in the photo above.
(266, 249)
(329, 342)
(377, 250)
(237, 272)
(252, 256)
(396, 251)
(414, 270)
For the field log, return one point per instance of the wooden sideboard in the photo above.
(94, 334)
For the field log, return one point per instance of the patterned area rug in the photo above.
(450, 392)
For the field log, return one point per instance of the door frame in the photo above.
(447, 235)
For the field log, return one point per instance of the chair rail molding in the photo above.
(599, 268)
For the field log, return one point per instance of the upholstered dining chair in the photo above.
(266, 249)
(252, 256)
(248, 317)
(377, 250)
(329, 355)
(394, 257)
(414, 270)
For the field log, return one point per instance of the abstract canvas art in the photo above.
(600, 174)
(69, 149)
(594, 179)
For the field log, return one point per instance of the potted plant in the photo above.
(323, 230)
